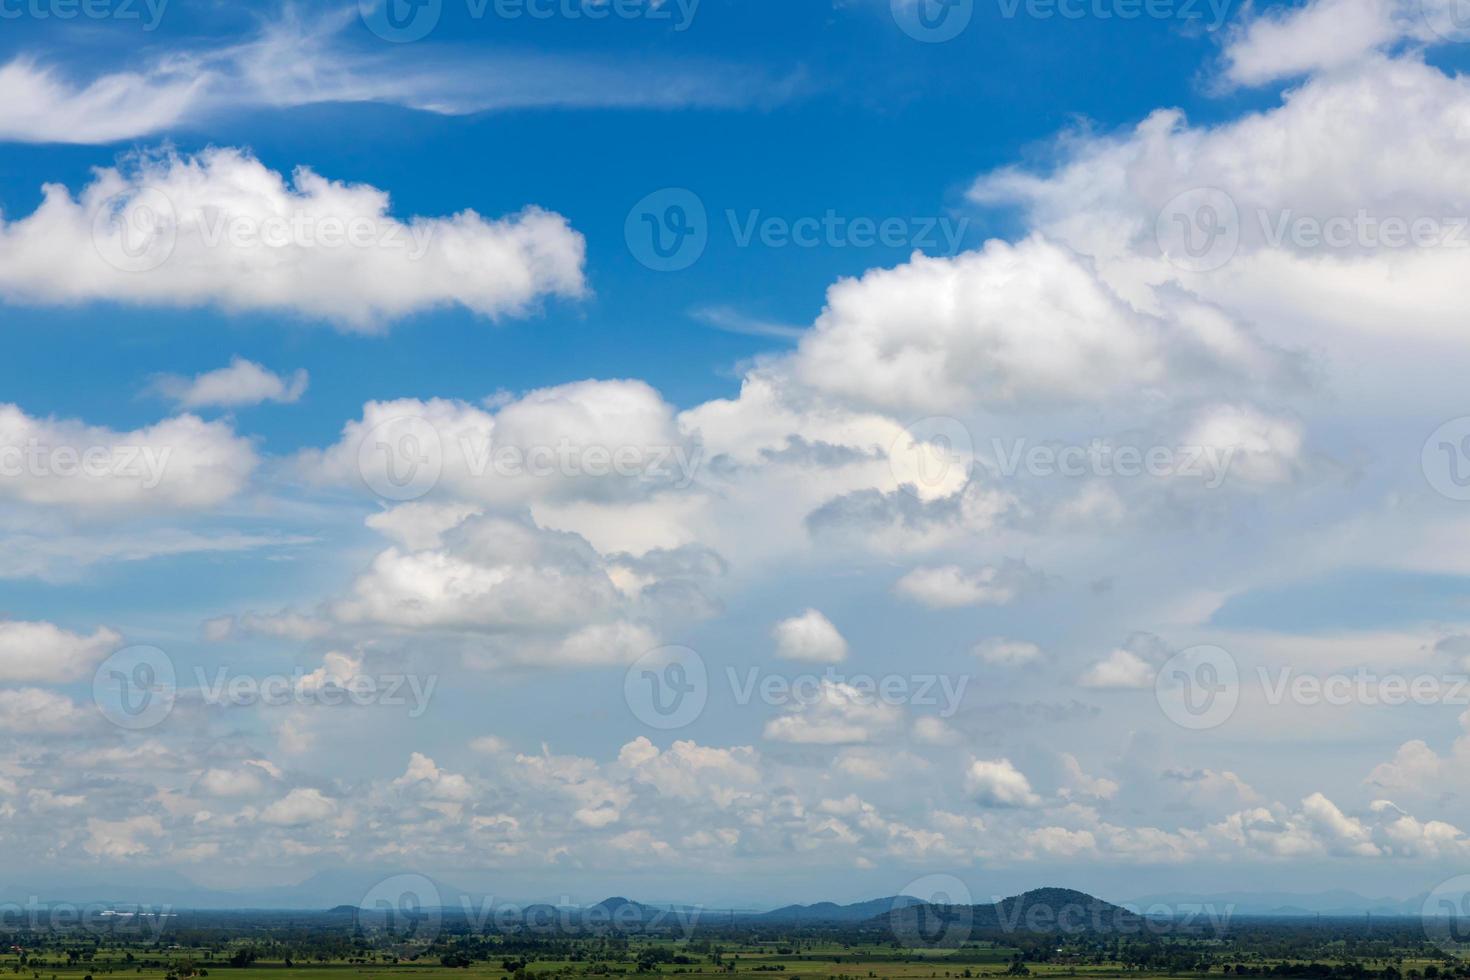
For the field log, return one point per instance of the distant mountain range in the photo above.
(345, 891)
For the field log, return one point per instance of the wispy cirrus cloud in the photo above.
(296, 59)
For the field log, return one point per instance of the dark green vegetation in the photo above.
(1044, 933)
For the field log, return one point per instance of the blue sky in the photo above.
(1026, 302)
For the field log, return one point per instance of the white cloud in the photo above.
(303, 805)
(494, 574)
(297, 60)
(47, 108)
(222, 229)
(46, 653)
(950, 586)
(131, 837)
(1261, 449)
(230, 782)
(1001, 652)
(179, 463)
(810, 637)
(34, 711)
(839, 714)
(1321, 35)
(242, 383)
(1341, 832)
(1120, 669)
(588, 440)
(998, 783)
(1081, 784)
(689, 771)
(1007, 325)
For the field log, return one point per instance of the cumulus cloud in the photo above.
(1322, 35)
(179, 463)
(838, 714)
(45, 653)
(36, 711)
(598, 440)
(950, 586)
(222, 229)
(1122, 669)
(810, 636)
(1009, 324)
(1001, 652)
(302, 805)
(242, 383)
(998, 783)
